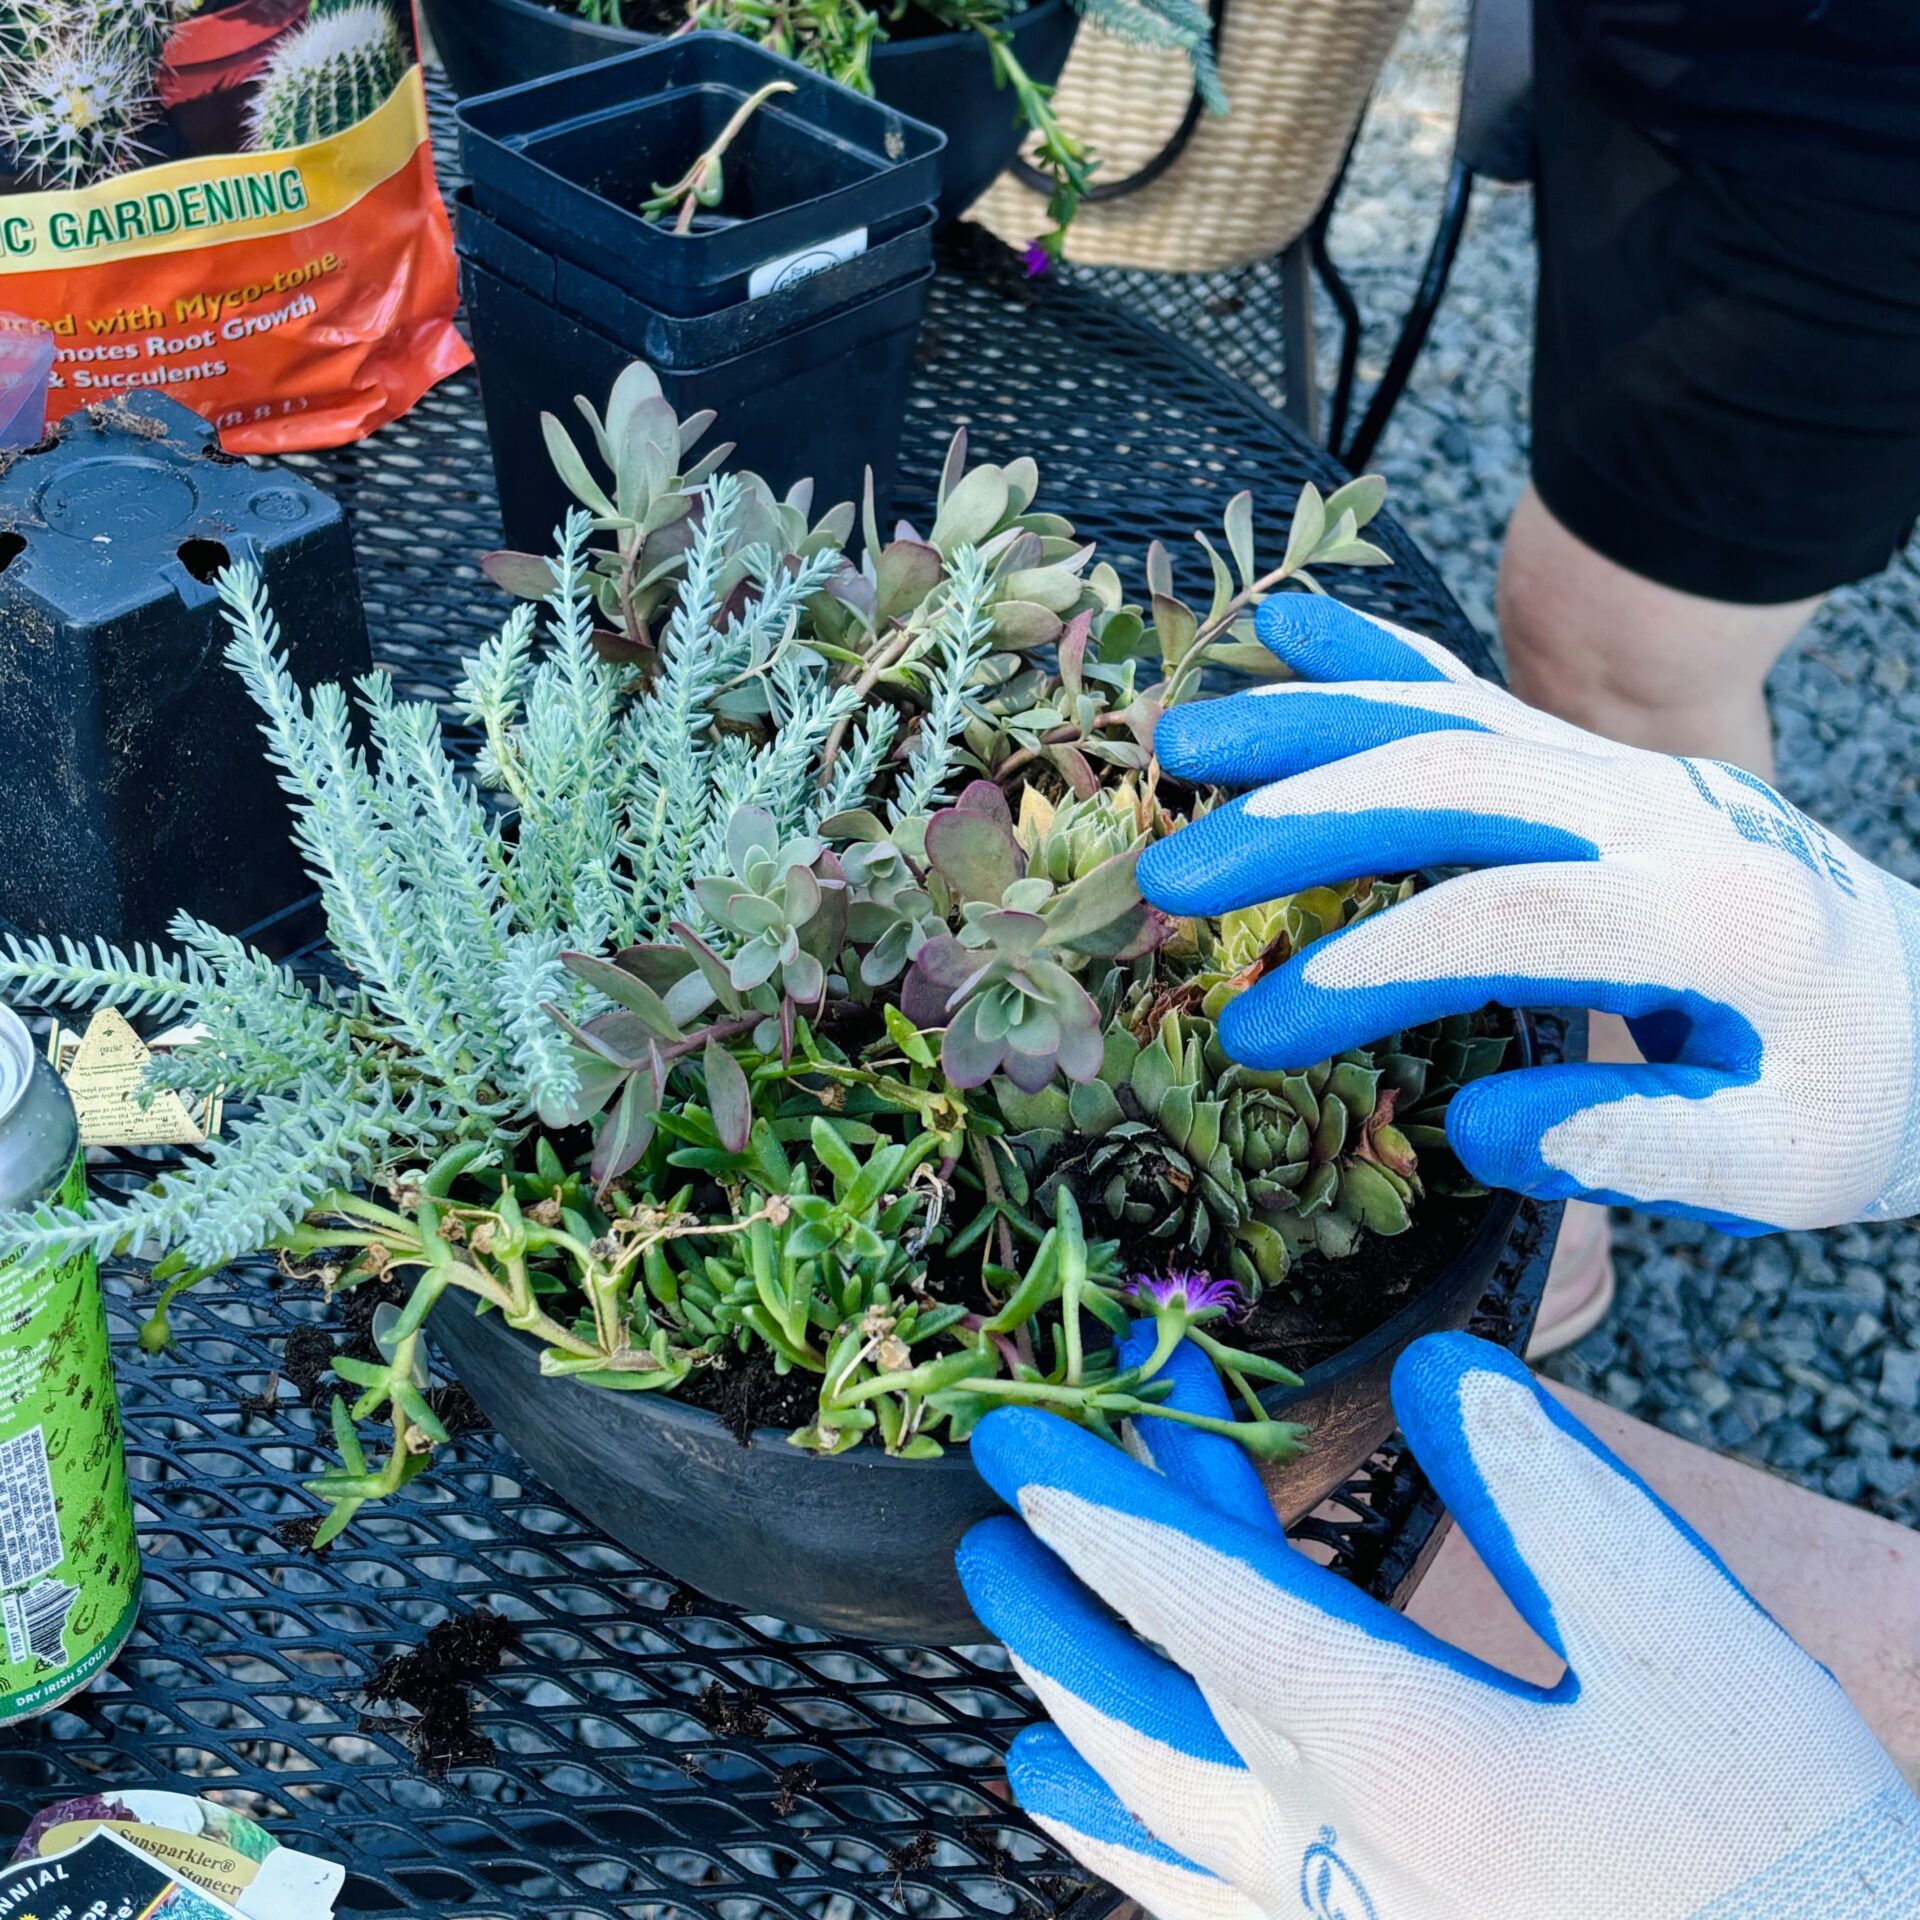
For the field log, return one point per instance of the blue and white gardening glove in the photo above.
(1251, 1737)
(1770, 975)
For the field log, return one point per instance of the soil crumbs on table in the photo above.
(733, 1714)
(911, 1856)
(434, 1679)
(793, 1782)
(307, 1362)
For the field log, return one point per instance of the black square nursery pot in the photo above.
(132, 783)
(948, 79)
(823, 402)
(686, 341)
(566, 161)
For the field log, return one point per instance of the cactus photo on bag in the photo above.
(329, 75)
(93, 89)
(77, 91)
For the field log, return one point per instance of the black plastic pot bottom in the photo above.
(822, 403)
(130, 787)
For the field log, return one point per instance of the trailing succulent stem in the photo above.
(776, 992)
(704, 183)
(819, 1268)
(1056, 152)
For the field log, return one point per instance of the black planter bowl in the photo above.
(944, 79)
(862, 1544)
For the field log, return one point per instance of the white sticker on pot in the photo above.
(792, 268)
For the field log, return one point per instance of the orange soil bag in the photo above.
(241, 212)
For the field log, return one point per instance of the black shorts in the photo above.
(1726, 380)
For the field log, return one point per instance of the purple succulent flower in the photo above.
(1188, 1290)
(1037, 260)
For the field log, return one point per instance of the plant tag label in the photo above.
(105, 1073)
(207, 1845)
(104, 1878)
(790, 269)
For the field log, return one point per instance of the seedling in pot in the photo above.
(704, 184)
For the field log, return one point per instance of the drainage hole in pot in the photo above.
(204, 559)
(12, 546)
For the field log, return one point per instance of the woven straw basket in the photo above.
(1297, 75)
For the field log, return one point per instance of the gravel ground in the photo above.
(1801, 1351)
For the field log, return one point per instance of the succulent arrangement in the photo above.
(780, 993)
(837, 38)
(79, 79)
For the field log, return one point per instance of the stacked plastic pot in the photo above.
(791, 307)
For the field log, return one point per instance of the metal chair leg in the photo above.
(1338, 291)
(1302, 405)
(1350, 329)
(1419, 320)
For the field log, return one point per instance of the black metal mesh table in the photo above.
(604, 1775)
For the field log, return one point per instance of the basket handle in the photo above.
(1149, 171)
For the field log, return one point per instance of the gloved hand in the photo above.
(1298, 1749)
(1770, 975)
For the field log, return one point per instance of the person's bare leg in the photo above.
(1617, 654)
(1620, 655)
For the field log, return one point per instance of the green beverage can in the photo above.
(69, 1562)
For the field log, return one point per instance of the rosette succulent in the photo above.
(1340, 1166)
(891, 915)
(1006, 1002)
(1183, 1150)
(1426, 1067)
(1064, 842)
(783, 906)
(1006, 1005)
(1148, 1146)
(1002, 986)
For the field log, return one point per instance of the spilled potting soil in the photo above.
(434, 1679)
(735, 1713)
